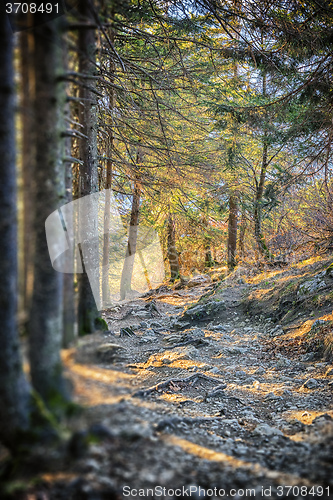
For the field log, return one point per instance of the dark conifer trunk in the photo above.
(232, 231)
(108, 184)
(27, 99)
(259, 237)
(171, 249)
(88, 315)
(242, 232)
(68, 278)
(45, 325)
(209, 261)
(14, 389)
(258, 234)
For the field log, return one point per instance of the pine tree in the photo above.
(15, 393)
(88, 315)
(46, 320)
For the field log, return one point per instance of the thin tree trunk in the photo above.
(68, 278)
(242, 232)
(108, 184)
(258, 203)
(171, 249)
(45, 325)
(209, 261)
(232, 231)
(106, 237)
(233, 199)
(27, 165)
(14, 389)
(88, 315)
(127, 272)
(260, 240)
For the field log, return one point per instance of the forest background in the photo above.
(210, 121)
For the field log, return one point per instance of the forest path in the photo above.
(194, 399)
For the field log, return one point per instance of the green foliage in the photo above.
(101, 324)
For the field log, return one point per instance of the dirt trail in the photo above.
(193, 400)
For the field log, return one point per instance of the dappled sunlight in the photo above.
(299, 331)
(304, 416)
(88, 381)
(173, 301)
(208, 454)
(173, 359)
(101, 374)
(185, 364)
(90, 394)
(174, 398)
(264, 275)
(213, 335)
(309, 262)
(51, 477)
(260, 389)
(286, 275)
(229, 461)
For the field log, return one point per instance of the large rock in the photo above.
(200, 279)
(110, 352)
(267, 430)
(202, 311)
(311, 286)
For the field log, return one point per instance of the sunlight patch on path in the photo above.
(228, 460)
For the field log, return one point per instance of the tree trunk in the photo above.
(259, 237)
(126, 275)
(108, 183)
(45, 325)
(88, 315)
(232, 231)
(171, 249)
(260, 240)
(27, 168)
(14, 389)
(106, 236)
(68, 278)
(242, 231)
(209, 261)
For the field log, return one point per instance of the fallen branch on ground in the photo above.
(173, 422)
(165, 385)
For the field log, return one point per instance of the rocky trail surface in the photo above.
(183, 394)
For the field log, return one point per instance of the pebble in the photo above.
(217, 328)
(311, 383)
